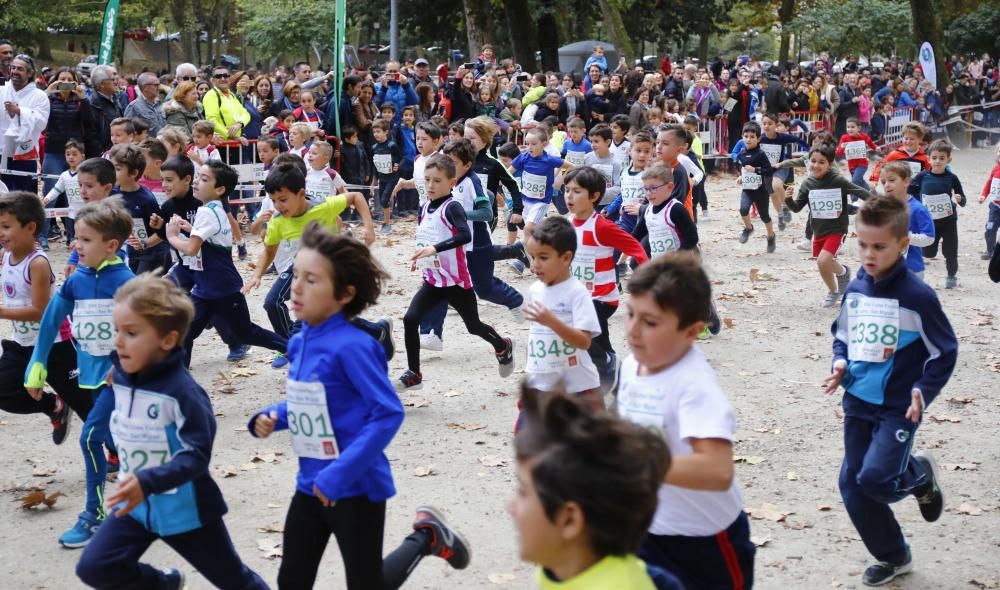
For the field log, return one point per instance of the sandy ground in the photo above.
(771, 360)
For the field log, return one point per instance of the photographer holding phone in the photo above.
(23, 118)
(395, 87)
(70, 117)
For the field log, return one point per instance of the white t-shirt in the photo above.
(550, 360)
(684, 401)
(321, 184)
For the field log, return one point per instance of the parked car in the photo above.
(86, 65)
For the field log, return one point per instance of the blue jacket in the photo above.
(921, 222)
(364, 409)
(84, 284)
(926, 350)
(164, 427)
(398, 94)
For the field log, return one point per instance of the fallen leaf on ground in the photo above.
(792, 476)
(43, 471)
(493, 461)
(749, 460)
(960, 400)
(501, 578)
(225, 471)
(271, 548)
(416, 402)
(463, 426)
(966, 508)
(452, 393)
(240, 372)
(264, 458)
(424, 470)
(768, 511)
(943, 418)
(984, 582)
(760, 541)
(824, 507)
(960, 466)
(38, 498)
(728, 323)
(272, 528)
(248, 467)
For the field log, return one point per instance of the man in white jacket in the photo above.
(24, 116)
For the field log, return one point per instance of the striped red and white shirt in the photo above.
(597, 238)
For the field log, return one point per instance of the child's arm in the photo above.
(482, 210)
(382, 418)
(709, 467)
(207, 223)
(797, 203)
(611, 209)
(575, 337)
(263, 263)
(956, 188)
(694, 172)
(56, 312)
(611, 235)
(850, 188)
(58, 189)
(268, 420)
(686, 228)
(517, 204)
(641, 230)
(924, 236)
(360, 203)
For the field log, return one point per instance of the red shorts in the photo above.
(830, 242)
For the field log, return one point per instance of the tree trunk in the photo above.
(926, 27)
(703, 47)
(44, 48)
(548, 41)
(521, 29)
(616, 31)
(785, 14)
(478, 25)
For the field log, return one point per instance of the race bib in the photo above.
(633, 191)
(259, 173)
(309, 420)
(93, 329)
(621, 158)
(575, 158)
(140, 443)
(662, 240)
(730, 105)
(426, 236)
(383, 163)
(873, 328)
(139, 228)
(193, 262)
(915, 168)
(827, 203)
(25, 333)
(751, 181)
(316, 191)
(421, 185)
(856, 150)
(547, 352)
(772, 151)
(995, 190)
(583, 269)
(533, 186)
(939, 206)
(73, 198)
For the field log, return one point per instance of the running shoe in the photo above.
(173, 579)
(517, 265)
(241, 252)
(745, 234)
(113, 463)
(805, 245)
(951, 282)
(386, 229)
(238, 353)
(830, 300)
(844, 280)
(931, 502)
(431, 342)
(82, 532)
(385, 337)
(506, 359)
(409, 380)
(446, 542)
(279, 362)
(61, 419)
(884, 572)
(521, 255)
(517, 313)
(772, 242)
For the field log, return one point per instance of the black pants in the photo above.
(62, 373)
(464, 302)
(760, 198)
(600, 346)
(156, 262)
(945, 233)
(111, 559)
(358, 524)
(723, 561)
(233, 309)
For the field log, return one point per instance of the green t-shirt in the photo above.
(620, 573)
(286, 232)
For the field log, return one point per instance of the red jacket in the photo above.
(845, 139)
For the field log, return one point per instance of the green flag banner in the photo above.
(340, 27)
(108, 32)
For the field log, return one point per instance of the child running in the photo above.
(895, 179)
(699, 532)
(755, 177)
(909, 152)
(537, 174)
(893, 352)
(826, 193)
(164, 427)
(586, 492)
(217, 283)
(67, 185)
(342, 412)
(441, 256)
(991, 191)
(854, 146)
(936, 188)
(598, 239)
(101, 230)
(28, 283)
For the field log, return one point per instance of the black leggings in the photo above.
(233, 309)
(464, 302)
(945, 233)
(62, 374)
(358, 524)
(600, 345)
(761, 199)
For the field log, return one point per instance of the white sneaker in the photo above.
(704, 215)
(431, 342)
(518, 313)
(804, 245)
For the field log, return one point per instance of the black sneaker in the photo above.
(883, 572)
(385, 337)
(409, 380)
(241, 251)
(173, 579)
(986, 256)
(932, 501)
(786, 214)
(781, 223)
(446, 542)
(521, 254)
(61, 419)
(506, 359)
(745, 234)
(772, 242)
(714, 321)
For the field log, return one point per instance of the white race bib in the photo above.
(621, 158)
(193, 262)
(939, 206)
(74, 199)
(139, 228)
(421, 185)
(662, 240)
(751, 181)
(259, 174)
(584, 270)
(873, 328)
(575, 158)
(995, 190)
(426, 236)
(730, 105)
(93, 329)
(533, 186)
(383, 163)
(915, 168)
(309, 420)
(25, 333)
(633, 191)
(772, 151)
(140, 444)
(547, 352)
(856, 150)
(316, 192)
(827, 203)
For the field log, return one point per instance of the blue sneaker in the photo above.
(239, 353)
(385, 337)
(279, 362)
(81, 533)
(173, 579)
